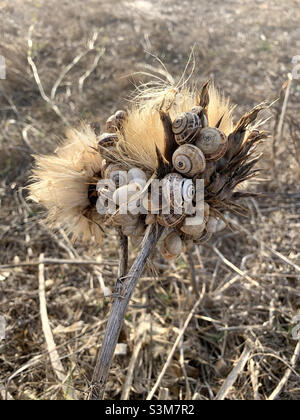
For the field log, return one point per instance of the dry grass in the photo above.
(238, 344)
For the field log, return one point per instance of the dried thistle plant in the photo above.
(177, 135)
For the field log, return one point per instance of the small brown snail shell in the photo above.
(114, 122)
(170, 219)
(116, 173)
(215, 224)
(196, 230)
(213, 143)
(205, 237)
(193, 230)
(107, 140)
(185, 127)
(172, 245)
(188, 160)
(202, 114)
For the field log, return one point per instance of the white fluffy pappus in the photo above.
(61, 182)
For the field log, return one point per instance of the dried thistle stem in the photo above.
(117, 314)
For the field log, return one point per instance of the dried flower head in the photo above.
(168, 132)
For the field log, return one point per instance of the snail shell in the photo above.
(107, 140)
(210, 168)
(188, 160)
(136, 173)
(116, 173)
(178, 191)
(172, 245)
(193, 230)
(123, 194)
(202, 114)
(128, 197)
(114, 122)
(205, 237)
(215, 224)
(171, 219)
(185, 127)
(196, 230)
(213, 143)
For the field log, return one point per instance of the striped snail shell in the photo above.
(172, 245)
(170, 219)
(114, 122)
(215, 224)
(202, 114)
(177, 190)
(188, 160)
(116, 173)
(185, 127)
(107, 140)
(205, 237)
(213, 143)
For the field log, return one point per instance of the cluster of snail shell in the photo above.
(198, 147)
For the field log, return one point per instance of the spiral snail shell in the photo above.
(107, 140)
(202, 114)
(114, 122)
(188, 160)
(205, 237)
(215, 224)
(213, 143)
(116, 173)
(135, 174)
(177, 190)
(185, 127)
(195, 230)
(125, 193)
(172, 245)
(171, 219)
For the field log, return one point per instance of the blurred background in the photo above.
(71, 61)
